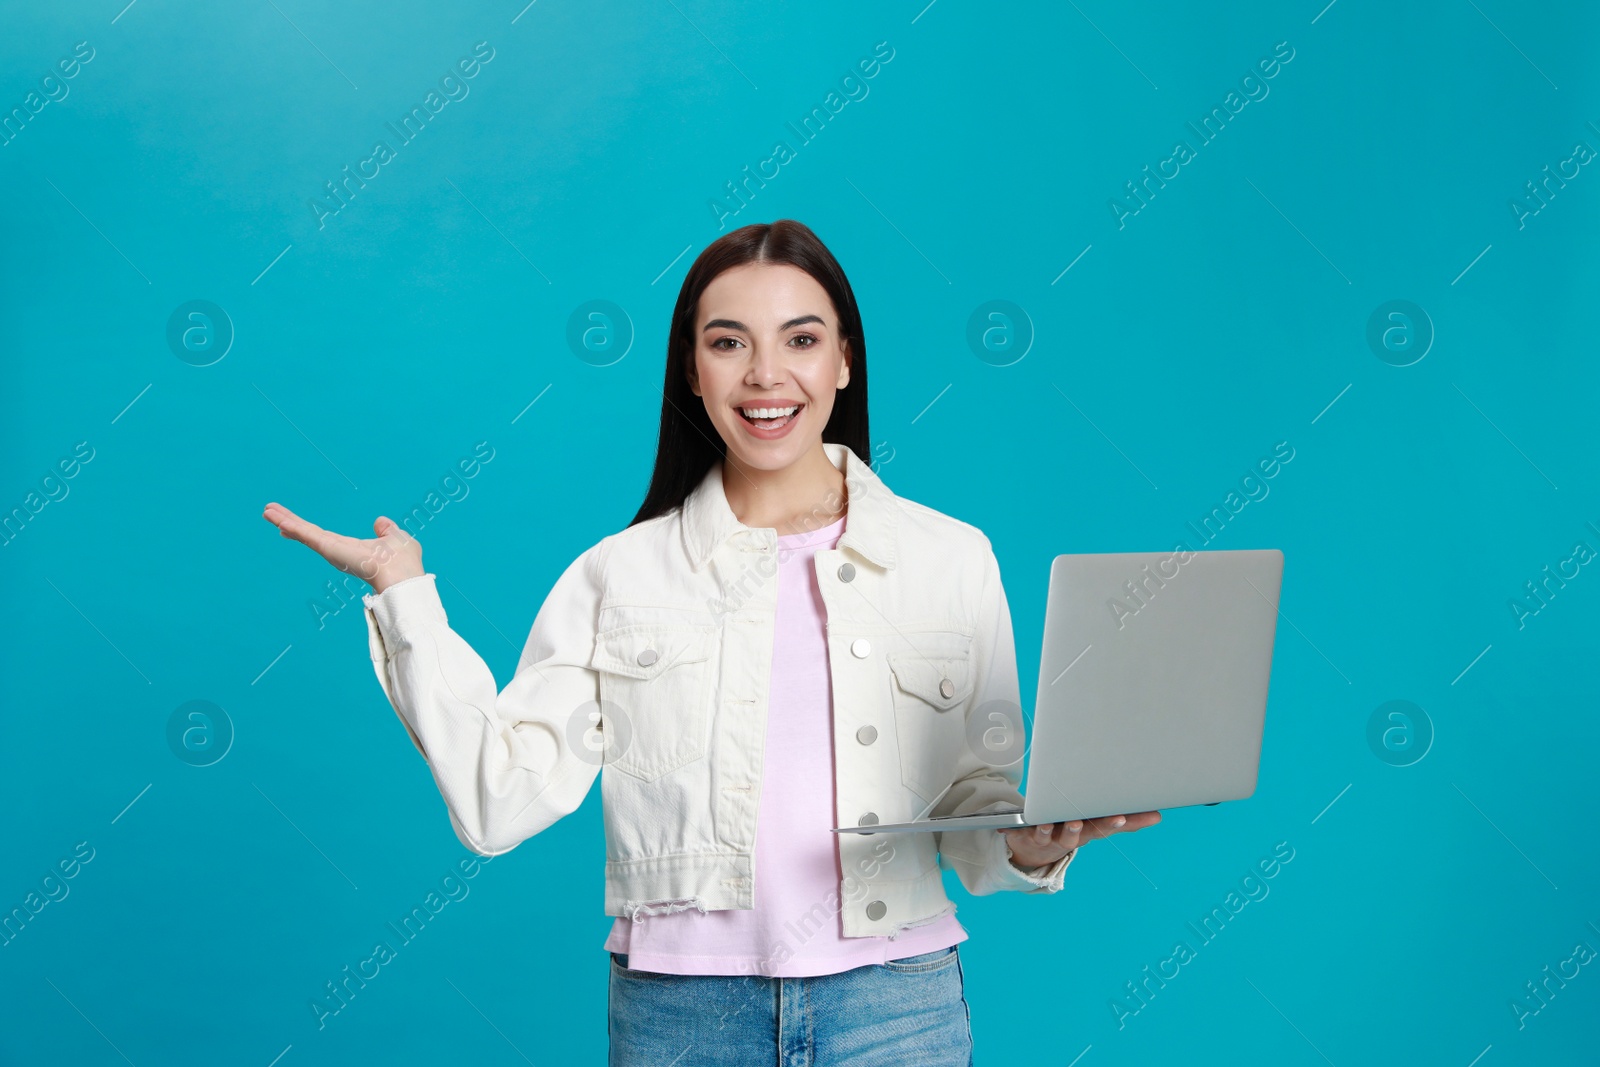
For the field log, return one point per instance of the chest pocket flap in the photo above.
(656, 689)
(644, 652)
(943, 681)
(931, 683)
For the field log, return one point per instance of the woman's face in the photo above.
(767, 339)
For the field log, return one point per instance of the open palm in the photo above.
(393, 556)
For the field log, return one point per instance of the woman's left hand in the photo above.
(1035, 846)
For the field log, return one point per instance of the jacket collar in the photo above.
(871, 518)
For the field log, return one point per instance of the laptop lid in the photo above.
(1152, 681)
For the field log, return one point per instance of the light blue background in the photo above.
(1226, 316)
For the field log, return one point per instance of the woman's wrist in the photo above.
(381, 582)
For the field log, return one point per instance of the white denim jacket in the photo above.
(659, 640)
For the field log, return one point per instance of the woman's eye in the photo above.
(726, 344)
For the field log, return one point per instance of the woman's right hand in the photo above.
(393, 556)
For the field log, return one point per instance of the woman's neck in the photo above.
(806, 495)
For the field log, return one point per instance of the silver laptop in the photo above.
(1152, 687)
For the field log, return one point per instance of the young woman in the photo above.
(777, 645)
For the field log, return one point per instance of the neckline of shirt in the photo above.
(807, 537)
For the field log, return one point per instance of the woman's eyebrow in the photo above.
(734, 324)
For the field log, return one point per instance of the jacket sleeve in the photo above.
(982, 858)
(502, 760)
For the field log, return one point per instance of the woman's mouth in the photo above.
(771, 418)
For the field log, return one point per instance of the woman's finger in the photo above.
(1122, 824)
(1030, 836)
(309, 534)
(276, 513)
(394, 529)
(1070, 835)
(325, 543)
(288, 523)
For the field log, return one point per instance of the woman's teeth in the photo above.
(769, 418)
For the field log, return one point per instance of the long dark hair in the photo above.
(689, 444)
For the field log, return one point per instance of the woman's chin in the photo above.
(753, 453)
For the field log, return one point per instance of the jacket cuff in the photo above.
(406, 608)
(393, 617)
(1047, 879)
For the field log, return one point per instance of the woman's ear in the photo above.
(844, 367)
(688, 372)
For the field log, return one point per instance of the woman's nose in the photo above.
(766, 368)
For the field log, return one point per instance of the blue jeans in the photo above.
(906, 1011)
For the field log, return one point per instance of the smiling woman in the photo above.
(819, 369)
(766, 359)
(775, 649)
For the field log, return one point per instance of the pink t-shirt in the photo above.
(795, 929)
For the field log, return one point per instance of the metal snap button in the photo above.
(867, 734)
(869, 819)
(860, 648)
(947, 689)
(647, 657)
(847, 573)
(877, 910)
